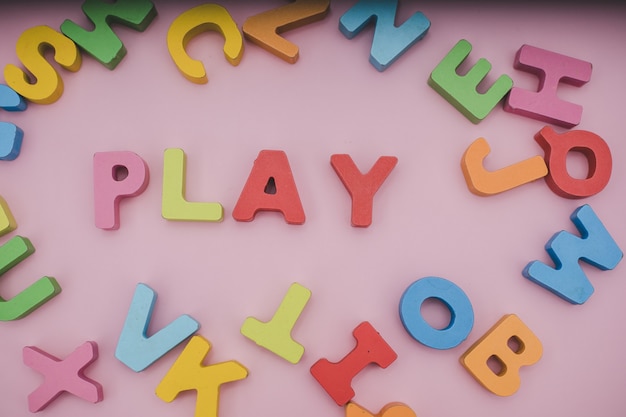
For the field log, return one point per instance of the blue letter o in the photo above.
(461, 312)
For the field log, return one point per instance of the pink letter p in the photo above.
(116, 175)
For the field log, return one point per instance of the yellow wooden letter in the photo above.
(173, 203)
(7, 221)
(30, 47)
(188, 373)
(203, 18)
(275, 335)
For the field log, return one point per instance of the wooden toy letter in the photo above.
(271, 187)
(485, 183)
(203, 18)
(263, 29)
(7, 221)
(390, 42)
(109, 188)
(101, 42)
(10, 135)
(30, 49)
(593, 147)
(336, 378)
(362, 187)
(275, 335)
(67, 375)
(595, 246)
(12, 253)
(452, 296)
(395, 409)
(551, 68)
(173, 203)
(188, 373)
(512, 345)
(460, 90)
(134, 348)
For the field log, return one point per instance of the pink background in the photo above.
(426, 222)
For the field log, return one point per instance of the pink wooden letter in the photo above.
(65, 375)
(116, 175)
(551, 68)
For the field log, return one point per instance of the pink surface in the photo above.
(425, 220)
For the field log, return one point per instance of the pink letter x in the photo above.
(62, 375)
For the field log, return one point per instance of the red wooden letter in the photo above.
(270, 187)
(336, 378)
(362, 187)
(557, 146)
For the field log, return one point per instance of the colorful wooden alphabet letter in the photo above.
(188, 373)
(485, 183)
(7, 221)
(336, 378)
(173, 203)
(275, 335)
(203, 18)
(395, 409)
(110, 188)
(452, 296)
(12, 253)
(270, 187)
(134, 348)
(511, 344)
(593, 147)
(460, 90)
(10, 135)
(551, 68)
(362, 187)
(390, 42)
(67, 375)
(30, 49)
(264, 28)
(595, 246)
(101, 42)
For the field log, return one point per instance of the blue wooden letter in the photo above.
(595, 246)
(390, 42)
